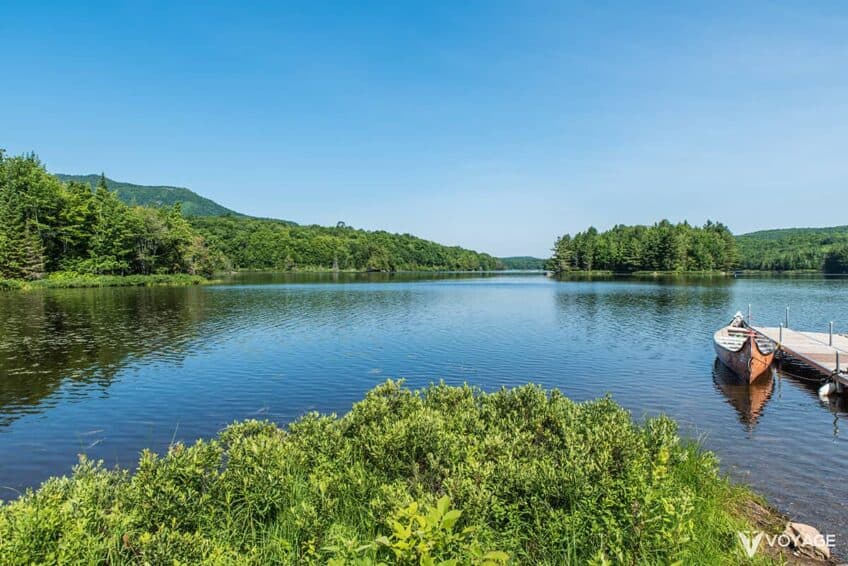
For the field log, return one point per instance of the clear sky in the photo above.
(493, 125)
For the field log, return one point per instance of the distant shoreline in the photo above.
(733, 273)
(74, 281)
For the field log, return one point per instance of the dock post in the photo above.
(836, 379)
(830, 341)
(786, 322)
(780, 336)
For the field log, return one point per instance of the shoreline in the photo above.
(730, 274)
(73, 281)
(62, 280)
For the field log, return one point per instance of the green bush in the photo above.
(11, 284)
(72, 280)
(446, 475)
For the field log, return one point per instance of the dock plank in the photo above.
(812, 348)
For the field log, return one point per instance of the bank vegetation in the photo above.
(445, 475)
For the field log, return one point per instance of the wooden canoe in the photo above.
(744, 352)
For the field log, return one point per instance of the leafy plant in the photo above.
(446, 475)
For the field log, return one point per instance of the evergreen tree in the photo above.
(663, 246)
(113, 241)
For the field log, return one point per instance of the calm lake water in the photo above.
(108, 372)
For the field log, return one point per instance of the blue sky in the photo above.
(493, 125)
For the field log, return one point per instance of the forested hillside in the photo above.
(93, 225)
(191, 203)
(523, 262)
(796, 248)
(262, 244)
(661, 247)
(47, 226)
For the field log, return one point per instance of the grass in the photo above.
(445, 475)
(67, 280)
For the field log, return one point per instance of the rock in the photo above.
(808, 541)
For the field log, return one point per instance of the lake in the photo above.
(108, 372)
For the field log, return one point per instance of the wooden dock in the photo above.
(818, 350)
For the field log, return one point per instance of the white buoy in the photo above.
(827, 389)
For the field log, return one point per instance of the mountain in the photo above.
(192, 203)
(790, 248)
(262, 243)
(523, 262)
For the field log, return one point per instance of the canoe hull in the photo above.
(749, 362)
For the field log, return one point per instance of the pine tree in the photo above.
(31, 264)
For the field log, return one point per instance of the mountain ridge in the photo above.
(192, 203)
(258, 243)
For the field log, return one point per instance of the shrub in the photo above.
(11, 284)
(447, 475)
(72, 280)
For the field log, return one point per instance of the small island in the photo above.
(666, 248)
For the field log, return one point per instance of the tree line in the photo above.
(836, 260)
(824, 249)
(48, 226)
(256, 243)
(523, 262)
(661, 247)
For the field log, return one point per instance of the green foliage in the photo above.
(794, 249)
(30, 201)
(447, 475)
(46, 226)
(74, 280)
(11, 284)
(523, 262)
(667, 247)
(95, 226)
(836, 260)
(254, 243)
(192, 204)
(427, 535)
(661, 247)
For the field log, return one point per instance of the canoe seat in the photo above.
(733, 342)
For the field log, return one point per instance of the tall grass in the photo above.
(69, 280)
(446, 475)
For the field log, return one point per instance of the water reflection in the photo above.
(809, 382)
(275, 277)
(650, 279)
(61, 346)
(749, 399)
(84, 337)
